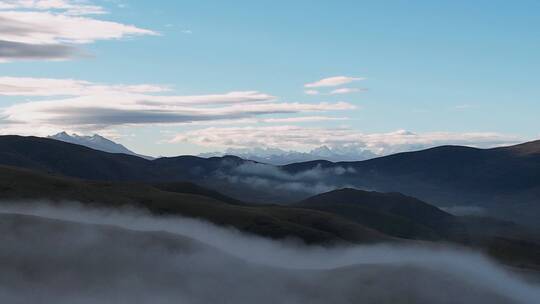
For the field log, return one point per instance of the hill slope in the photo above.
(392, 213)
(270, 221)
(503, 181)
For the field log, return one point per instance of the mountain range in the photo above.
(272, 156)
(502, 182)
(233, 192)
(279, 157)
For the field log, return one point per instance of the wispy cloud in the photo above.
(28, 86)
(332, 81)
(50, 30)
(311, 92)
(465, 106)
(346, 91)
(302, 119)
(83, 105)
(69, 7)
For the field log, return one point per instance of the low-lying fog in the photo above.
(52, 254)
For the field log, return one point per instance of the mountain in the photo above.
(95, 142)
(501, 182)
(392, 213)
(48, 155)
(504, 182)
(530, 148)
(279, 157)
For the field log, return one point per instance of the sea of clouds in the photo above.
(73, 254)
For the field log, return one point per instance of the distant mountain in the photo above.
(95, 142)
(282, 157)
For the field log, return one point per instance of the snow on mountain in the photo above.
(281, 157)
(95, 142)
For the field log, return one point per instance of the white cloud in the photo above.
(464, 106)
(305, 139)
(71, 7)
(27, 86)
(274, 120)
(302, 119)
(332, 81)
(346, 91)
(90, 106)
(50, 29)
(311, 92)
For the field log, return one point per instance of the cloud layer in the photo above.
(332, 81)
(344, 139)
(84, 106)
(113, 256)
(51, 30)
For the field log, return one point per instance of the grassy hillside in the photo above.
(270, 221)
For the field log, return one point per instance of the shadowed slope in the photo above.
(392, 213)
(270, 221)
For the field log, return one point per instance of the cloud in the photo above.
(346, 91)
(332, 81)
(462, 107)
(70, 7)
(274, 120)
(261, 176)
(50, 30)
(27, 86)
(136, 257)
(311, 92)
(302, 119)
(16, 50)
(306, 138)
(314, 174)
(466, 210)
(86, 106)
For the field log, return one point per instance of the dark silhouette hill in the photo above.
(392, 213)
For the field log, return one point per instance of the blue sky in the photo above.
(461, 72)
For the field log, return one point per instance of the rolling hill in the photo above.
(392, 213)
(18, 185)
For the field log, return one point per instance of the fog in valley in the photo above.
(72, 254)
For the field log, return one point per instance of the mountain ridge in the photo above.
(96, 142)
(502, 181)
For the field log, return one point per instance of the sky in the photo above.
(187, 77)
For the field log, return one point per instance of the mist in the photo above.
(308, 182)
(73, 254)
